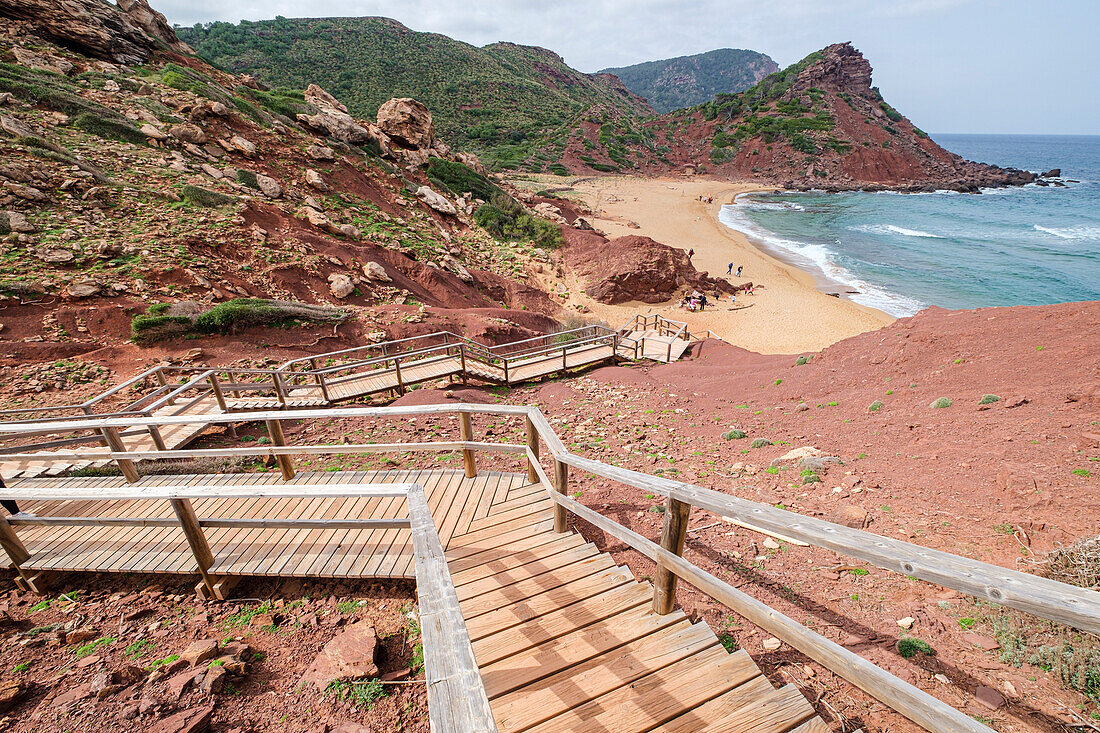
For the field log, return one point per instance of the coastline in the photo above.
(789, 312)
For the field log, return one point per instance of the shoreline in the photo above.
(789, 313)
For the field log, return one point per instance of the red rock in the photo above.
(79, 636)
(986, 643)
(347, 656)
(200, 651)
(179, 683)
(213, 680)
(989, 698)
(850, 515)
(77, 693)
(88, 661)
(351, 728)
(10, 695)
(195, 720)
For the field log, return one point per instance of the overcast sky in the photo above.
(1018, 66)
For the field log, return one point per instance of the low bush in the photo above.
(989, 399)
(461, 179)
(163, 321)
(198, 196)
(760, 443)
(735, 434)
(800, 361)
(876, 406)
(941, 403)
(109, 129)
(909, 647)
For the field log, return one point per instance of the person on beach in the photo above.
(729, 270)
(739, 269)
(691, 253)
(702, 301)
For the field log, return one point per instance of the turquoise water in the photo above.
(902, 252)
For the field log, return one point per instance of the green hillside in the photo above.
(513, 105)
(690, 80)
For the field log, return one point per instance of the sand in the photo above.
(788, 313)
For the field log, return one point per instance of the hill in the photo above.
(687, 81)
(513, 105)
(819, 123)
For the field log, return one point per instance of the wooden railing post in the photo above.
(462, 361)
(114, 442)
(197, 540)
(397, 371)
(275, 432)
(533, 444)
(222, 404)
(466, 433)
(280, 388)
(561, 485)
(320, 379)
(672, 539)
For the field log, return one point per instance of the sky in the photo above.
(952, 66)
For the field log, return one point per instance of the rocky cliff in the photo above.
(818, 124)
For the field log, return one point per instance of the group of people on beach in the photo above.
(705, 199)
(729, 270)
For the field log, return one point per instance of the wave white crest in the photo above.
(821, 258)
(891, 229)
(1078, 232)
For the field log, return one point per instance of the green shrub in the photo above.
(811, 478)
(941, 403)
(989, 399)
(198, 196)
(909, 647)
(735, 434)
(760, 443)
(460, 179)
(248, 178)
(558, 169)
(802, 360)
(109, 129)
(505, 219)
(164, 321)
(876, 406)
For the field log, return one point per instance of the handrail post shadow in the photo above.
(466, 433)
(533, 444)
(561, 485)
(673, 535)
(275, 432)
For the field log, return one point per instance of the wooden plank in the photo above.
(508, 537)
(519, 670)
(775, 712)
(491, 554)
(540, 604)
(518, 559)
(530, 569)
(576, 685)
(516, 592)
(205, 490)
(546, 627)
(704, 716)
(657, 697)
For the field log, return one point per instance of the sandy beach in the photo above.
(787, 314)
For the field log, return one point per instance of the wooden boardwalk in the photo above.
(564, 639)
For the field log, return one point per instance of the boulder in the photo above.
(374, 271)
(84, 288)
(269, 186)
(111, 86)
(200, 651)
(11, 693)
(218, 109)
(320, 152)
(30, 193)
(341, 286)
(347, 656)
(188, 133)
(321, 99)
(336, 124)
(436, 201)
(314, 180)
(153, 132)
(550, 212)
(240, 144)
(989, 698)
(452, 265)
(1053, 173)
(350, 231)
(18, 222)
(850, 515)
(408, 122)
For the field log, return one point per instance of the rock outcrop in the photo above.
(634, 268)
(408, 122)
(124, 34)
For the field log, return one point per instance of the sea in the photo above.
(1028, 245)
